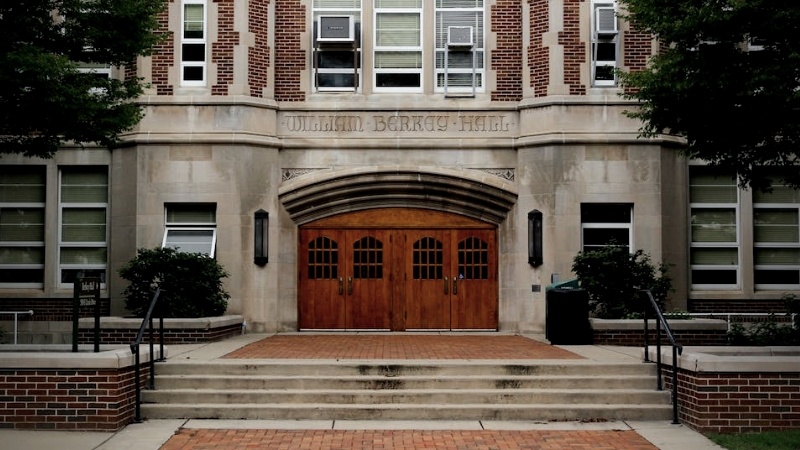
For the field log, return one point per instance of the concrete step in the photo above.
(440, 368)
(647, 381)
(288, 411)
(407, 396)
(406, 390)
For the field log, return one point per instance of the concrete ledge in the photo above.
(133, 323)
(733, 359)
(675, 325)
(61, 357)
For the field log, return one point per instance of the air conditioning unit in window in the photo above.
(459, 37)
(605, 20)
(335, 29)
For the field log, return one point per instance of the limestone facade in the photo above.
(538, 133)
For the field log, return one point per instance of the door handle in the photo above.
(341, 286)
(455, 285)
(446, 284)
(349, 285)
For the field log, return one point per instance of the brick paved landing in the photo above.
(205, 439)
(393, 346)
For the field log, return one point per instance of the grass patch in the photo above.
(769, 440)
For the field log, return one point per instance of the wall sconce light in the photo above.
(261, 241)
(535, 257)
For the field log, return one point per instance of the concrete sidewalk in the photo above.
(153, 434)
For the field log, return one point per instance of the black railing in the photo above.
(677, 349)
(147, 324)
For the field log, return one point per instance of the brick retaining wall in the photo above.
(121, 330)
(630, 333)
(69, 391)
(737, 394)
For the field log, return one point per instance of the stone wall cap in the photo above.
(734, 359)
(675, 325)
(133, 323)
(60, 356)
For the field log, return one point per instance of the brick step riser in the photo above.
(200, 382)
(420, 412)
(333, 369)
(367, 398)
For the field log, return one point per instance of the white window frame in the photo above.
(64, 206)
(607, 226)
(25, 244)
(173, 228)
(203, 65)
(603, 38)
(721, 245)
(792, 245)
(355, 13)
(410, 49)
(477, 50)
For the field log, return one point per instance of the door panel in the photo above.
(427, 293)
(321, 296)
(368, 299)
(397, 274)
(474, 284)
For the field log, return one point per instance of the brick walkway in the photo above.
(400, 346)
(204, 439)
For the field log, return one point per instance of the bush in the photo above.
(613, 278)
(770, 332)
(191, 283)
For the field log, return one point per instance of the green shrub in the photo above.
(770, 332)
(191, 283)
(614, 278)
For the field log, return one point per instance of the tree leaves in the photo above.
(727, 79)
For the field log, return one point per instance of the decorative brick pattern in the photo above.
(290, 58)
(635, 338)
(50, 309)
(574, 48)
(258, 63)
(737, 402)
(41, 399)
(538, 54)
(222, 49)
(636, 50)
(163, 58)
(506, 21)
(171, 336)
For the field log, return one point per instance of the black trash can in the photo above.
(567, 320)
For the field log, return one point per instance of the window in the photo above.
(398, 45)
(337, 63)
(605, 224)
(459, 69)
(776, 238)
(406, 46)
(605, 40)
(714, 245)
(83, 223)
(191, 227)
(193, 43)
(22, 202)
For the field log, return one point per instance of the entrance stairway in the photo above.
(406, 390)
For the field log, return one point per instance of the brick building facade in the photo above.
(398, 147)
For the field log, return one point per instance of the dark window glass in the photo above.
(397, 80)
(194, 52)
(606, 212)
(713, 277)
(777, 276)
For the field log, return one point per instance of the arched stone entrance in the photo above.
(397, 250)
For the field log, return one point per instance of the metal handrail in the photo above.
(677, 349)
(147, 320)
(16, 317)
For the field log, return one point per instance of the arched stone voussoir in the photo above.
(471, 193)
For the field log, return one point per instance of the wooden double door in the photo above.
(400, 273)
